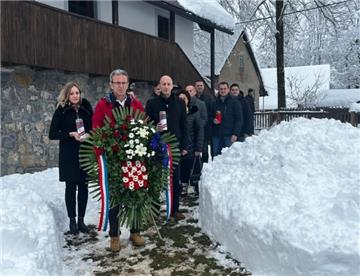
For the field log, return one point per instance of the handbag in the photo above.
(196, 168)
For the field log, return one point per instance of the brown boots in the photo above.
(179, 216)
(136, 239)
(115, 244)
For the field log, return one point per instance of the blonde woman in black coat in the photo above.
(64, 127)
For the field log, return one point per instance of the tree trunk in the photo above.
(280, 54)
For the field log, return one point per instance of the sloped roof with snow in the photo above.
(208, 13)
(211, 10)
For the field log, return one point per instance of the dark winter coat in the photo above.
(201, 108)
(175, 116)
(195, 131)
(251, 102)
(248, 117)
(231, 113)
(63, 122)
(208, 100)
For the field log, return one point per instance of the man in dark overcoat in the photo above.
(176, 124)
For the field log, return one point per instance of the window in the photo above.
(241, 63)
(163, 27)
(85, 8)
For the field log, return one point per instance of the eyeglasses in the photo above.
(119, 83)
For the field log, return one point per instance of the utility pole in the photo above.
(280, 54)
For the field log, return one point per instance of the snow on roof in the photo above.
(224, 43)
(210, 10)
(340, 97)
(306, 75)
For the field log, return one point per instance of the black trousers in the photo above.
(185, 169)
(70, 198)
(114, 229)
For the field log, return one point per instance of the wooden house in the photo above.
(45, 44)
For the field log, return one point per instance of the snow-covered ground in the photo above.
(287, 202)
(32, 222)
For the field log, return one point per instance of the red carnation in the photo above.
(124, 138)
(116, 133)
(99, 151)
(128, 118)
(124, 127)
(112, 124)
(115, 148)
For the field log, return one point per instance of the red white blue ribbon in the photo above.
(104, 192)
(169, 191)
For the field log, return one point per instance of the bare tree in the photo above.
(304, 95)
(316, 31)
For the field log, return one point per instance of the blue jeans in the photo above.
(220, 142)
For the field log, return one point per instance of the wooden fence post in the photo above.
(353, 119)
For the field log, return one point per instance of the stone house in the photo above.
(241, 67)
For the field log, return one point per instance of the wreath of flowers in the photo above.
(137, 164)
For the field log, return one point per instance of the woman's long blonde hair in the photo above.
(63, 98)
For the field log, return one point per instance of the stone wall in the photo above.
(28, 99)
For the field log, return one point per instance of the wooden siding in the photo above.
(37, 35)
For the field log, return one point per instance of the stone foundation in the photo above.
(28, 100)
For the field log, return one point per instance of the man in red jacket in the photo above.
(117, 98)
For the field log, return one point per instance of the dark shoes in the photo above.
(76, 227)
(73, 227)
(81, 226)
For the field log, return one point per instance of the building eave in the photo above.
(262, 90)
(207, 24)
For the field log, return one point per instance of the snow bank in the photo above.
(31, 241)
(287, 201)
